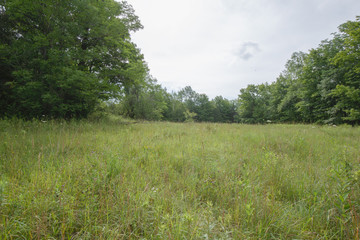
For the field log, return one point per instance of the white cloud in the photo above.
(247, 50)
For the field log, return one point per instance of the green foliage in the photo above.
(175, 108)
(59, 59)
(146, 100)
(224, 110)
(345, 179)
(189, 116)
(348, 101)
(253, 104)
(318, 80)
(347, 93)
(204, 108)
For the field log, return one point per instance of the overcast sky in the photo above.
(220, 46)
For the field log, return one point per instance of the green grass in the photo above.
(82, 180)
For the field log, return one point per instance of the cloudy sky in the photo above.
(220, 46)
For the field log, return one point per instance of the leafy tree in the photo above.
(175, 108)
(224, 110)
(145, 101)
(189, 97)
(287, 90)
(254, 104)
(189, 116)
(347, 92)
(188, 105)
(204, 108)
(60, 58)
(283, 100)
(349, 100)
(319, 78)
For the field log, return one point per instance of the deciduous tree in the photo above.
(59, 58)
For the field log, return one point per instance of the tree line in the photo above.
(67, 59)
(320, 86)
(152, 102)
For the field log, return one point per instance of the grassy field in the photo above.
(82, 180)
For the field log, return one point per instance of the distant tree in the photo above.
(189, 97)
(145, 101)
(204, 109)
(253, 104)
(288, 86)
(175, 108)
(224, 110)
(189, 116)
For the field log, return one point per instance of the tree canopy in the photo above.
(59, 58)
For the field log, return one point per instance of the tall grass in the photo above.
(82, 180)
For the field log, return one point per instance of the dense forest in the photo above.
(69, 59)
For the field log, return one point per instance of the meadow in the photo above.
(108, 180)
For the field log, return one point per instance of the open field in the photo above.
(82, 180)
